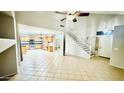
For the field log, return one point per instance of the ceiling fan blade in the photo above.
(63, 13)
(62, 26)
(79, 13)
(84, 14)
(63, 19)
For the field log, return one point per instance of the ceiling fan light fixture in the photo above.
(74, 20)
(71, 18)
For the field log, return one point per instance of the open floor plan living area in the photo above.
(61, 45)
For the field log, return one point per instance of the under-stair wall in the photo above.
(76, 41)
(77, 48)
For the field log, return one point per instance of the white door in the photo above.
(105, 45)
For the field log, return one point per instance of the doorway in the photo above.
(39, 41)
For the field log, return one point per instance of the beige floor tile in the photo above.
(44, 74)
(42, 78)
(78, 77)
(51, 75)
(42, 65)
(65, 76)
(37, 73)
(58, 75)
(71, 77)
(49, 79)
(34, 78)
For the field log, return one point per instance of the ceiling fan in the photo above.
(72, 15)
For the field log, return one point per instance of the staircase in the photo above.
(83, 45)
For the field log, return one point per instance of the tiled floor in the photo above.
(41, 65)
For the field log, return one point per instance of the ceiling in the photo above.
(30, 30)
(49, 19)
(107, 12)
(45, 19)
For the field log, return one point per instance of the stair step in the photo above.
(84, 46)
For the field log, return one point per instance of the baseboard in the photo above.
(78, 56)
(116, 66)
(6, 77)
(9, 75)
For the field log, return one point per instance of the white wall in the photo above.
(105, 45)
(79, 30)
(117, 58)
(88, 26)
(27, 29)
(74, 49)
